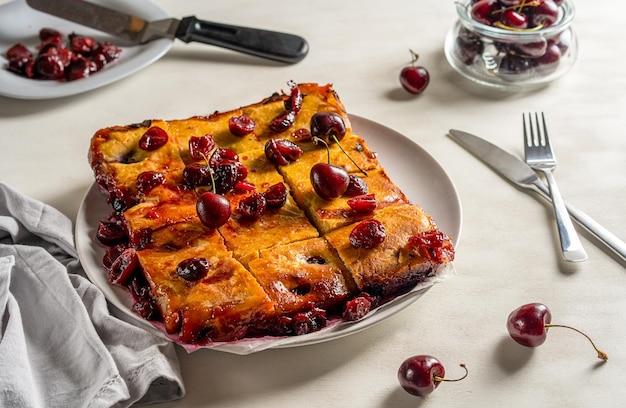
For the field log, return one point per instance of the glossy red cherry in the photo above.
(363, 204)
(193, 269)
(328, 126)
(414, 78)
(356, 187)
(368, 234)
(282, 152)
(153, 138)
(201, 146)
(282, 121)
(241, 125)
(528, 325)
(252, 207)
(514, 19)
(329, 181)
(294, 102)
(276, 195)
(148, 180)
(213, 209)
(421, 375)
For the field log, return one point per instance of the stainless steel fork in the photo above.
(539, 156)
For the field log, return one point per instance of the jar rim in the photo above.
(566, 15)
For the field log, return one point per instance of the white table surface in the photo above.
(508, 252)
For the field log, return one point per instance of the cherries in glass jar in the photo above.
(512, 44)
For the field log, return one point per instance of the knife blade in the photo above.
(272, 45)
(519, 173)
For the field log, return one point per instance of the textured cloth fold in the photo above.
(59, 345)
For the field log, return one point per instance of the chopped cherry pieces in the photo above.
(124, 267)
(433, 244)
(201, 146)
(276, 195)
(196, 174)
(241, 125)
(221, 154)
(252, 207)
(356, 187)
(148, 180)
(281, 152)
(368, 234)
(58, 59)
(357, 308)
(363, 204)
(111, 232)
(294, 102)
(283, 121)
(154, 138)
(193, 269)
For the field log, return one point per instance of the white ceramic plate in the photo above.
(20, 23)
(417, 173)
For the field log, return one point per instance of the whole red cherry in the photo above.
(528, 325)
(420, 375)
(213, 209)
(414, 78)
(329, 181)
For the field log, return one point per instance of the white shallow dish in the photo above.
(417, 173)
(20, 23)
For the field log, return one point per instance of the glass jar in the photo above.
(514, 60)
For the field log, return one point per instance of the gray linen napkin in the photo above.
(59, 346)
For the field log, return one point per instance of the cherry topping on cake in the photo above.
(363, 204)
(282, 152)
(252, 207)
(433, 244)
(368, 234)
(283, 121)
(328, 126)
(356, 187)
(241, 125)
(148, 180)
(111, 232)
(329, 181)
(124, 267)
(276, 195)
(227, 174)
(213, 209)
(294, 102)
(201, 146)
(195, 175)
(357, 308)
(193, 269)
(153, 138)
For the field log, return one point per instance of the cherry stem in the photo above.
(441, 379)
(347, 155)
(601, 354)
(414, 57)
(208, 165)
(317, 140)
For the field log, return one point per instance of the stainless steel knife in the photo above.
(519, 173)
(272, 45)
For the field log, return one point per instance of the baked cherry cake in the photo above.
(269, 220)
